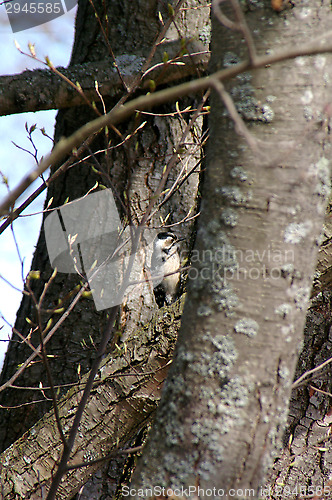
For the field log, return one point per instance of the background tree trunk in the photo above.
(226, 401)
(303, 466)
(224, 408)
(132, 171)
(122, 403)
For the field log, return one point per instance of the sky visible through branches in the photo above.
(53, 39)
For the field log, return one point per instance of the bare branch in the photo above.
(240, 25)
(297, 382)
(63, 168)
(38, 305)
(149, 354)
(239, 123)
(173, 160)
(50, 334)
(46, 89)
(108, 335)
(118, 114)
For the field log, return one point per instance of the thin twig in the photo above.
(107, 42)
(63, 168)
(241, 25)
(47, 338)
(21, 405)
(310, 372)
(148, 214)
(52, 68)
(11, 284)
(26, 341)
(97, 382)
(38, 305)
(118, 114)
(321, 391)
(230, 106)
(106, 337)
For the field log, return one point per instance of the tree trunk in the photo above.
(224, 408)
(225, 404)
(133, 171)
(303, 466)
(122, 403)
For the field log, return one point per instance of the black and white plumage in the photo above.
(165, 265)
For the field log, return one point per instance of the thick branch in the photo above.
(43, 89)
(123, 399)
(116, 115)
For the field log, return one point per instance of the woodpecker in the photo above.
(165, 265)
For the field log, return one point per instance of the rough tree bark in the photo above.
(225, 404)
(21, 93)
(122, 403)
(264, 207)
(133, 171)
(303, 467)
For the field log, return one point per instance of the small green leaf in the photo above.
(152, 85)
(49, 324)
(32, 49)
(49, 63)
(34, 275)
(17, 45)
(170, 9)
(58, 311)
(49, 202)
